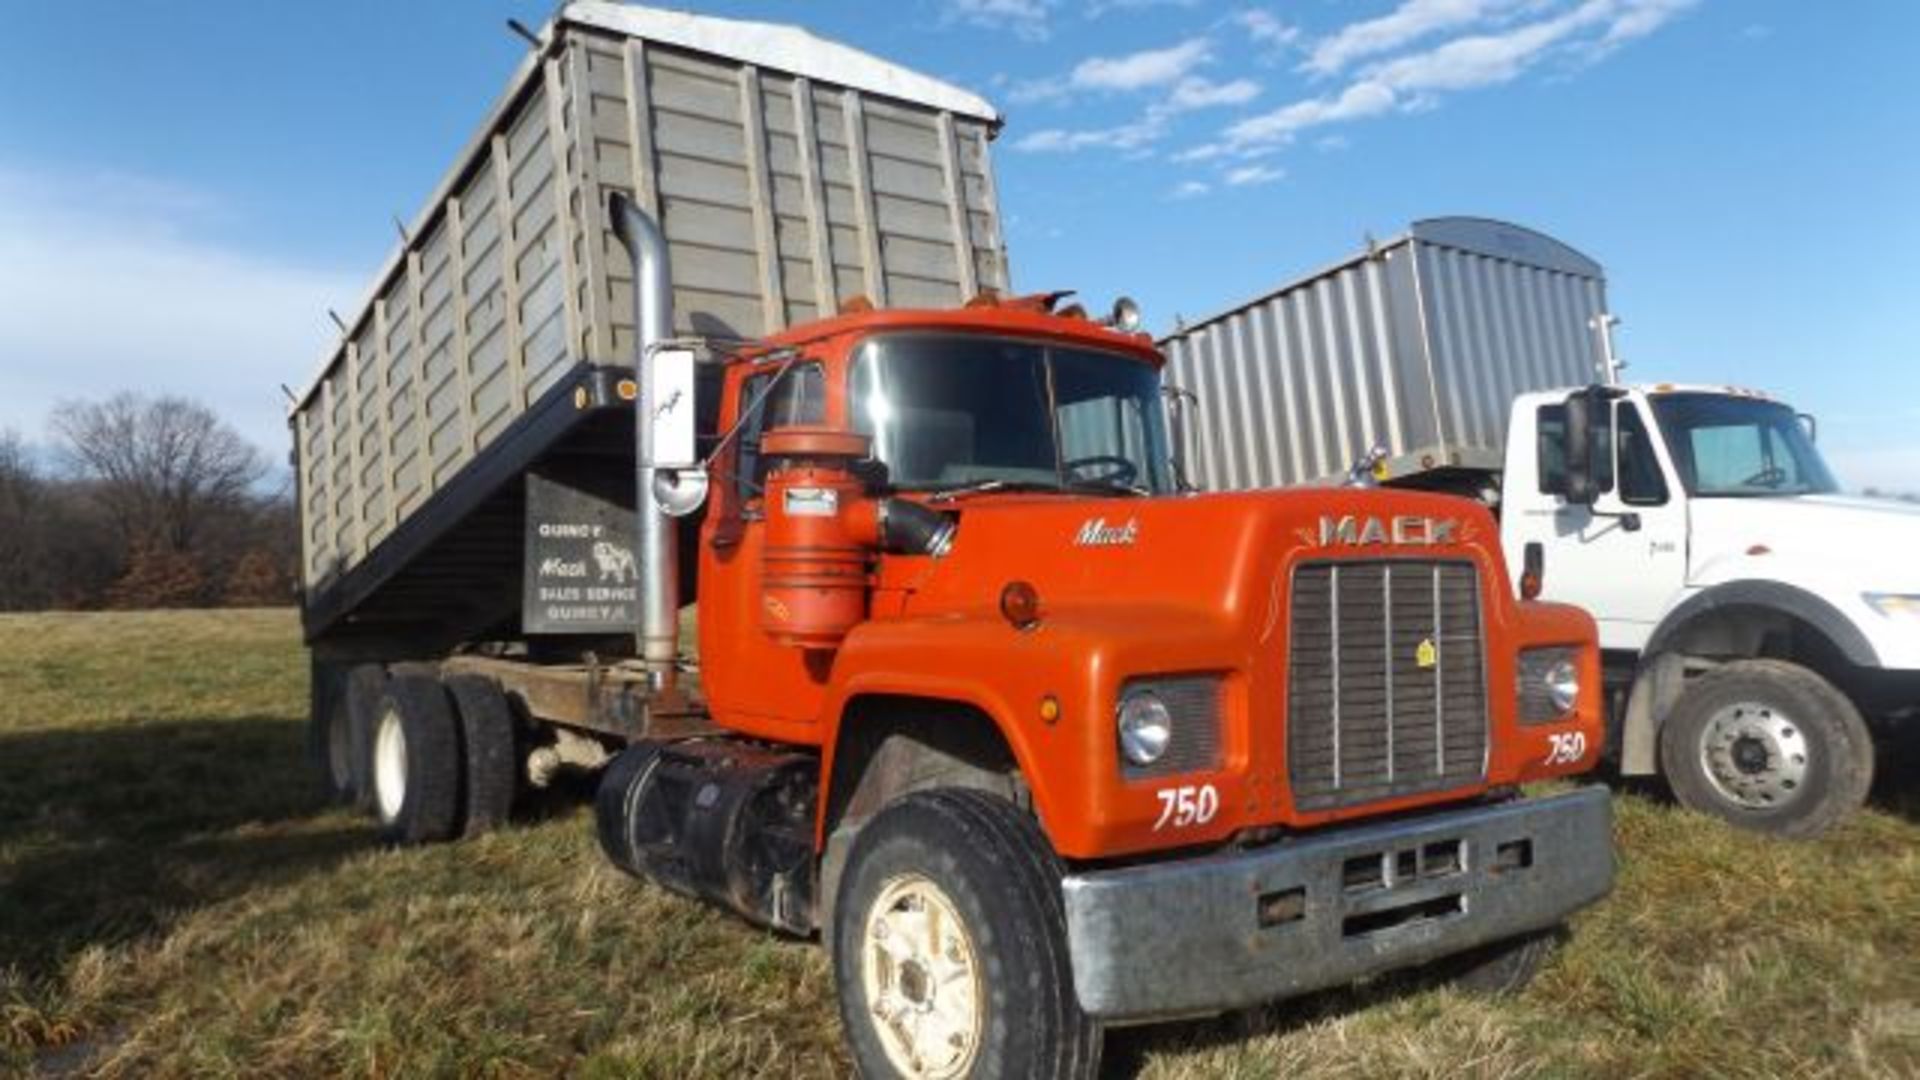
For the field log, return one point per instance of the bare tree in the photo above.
(22, 528)
(163, 468)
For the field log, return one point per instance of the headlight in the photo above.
(1146, 727)
(1168, 725)
(1549, 684)
(1893, 605)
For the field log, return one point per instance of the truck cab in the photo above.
(1752, 615)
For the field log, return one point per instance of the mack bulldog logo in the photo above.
(1405, 529)
(1095, 532)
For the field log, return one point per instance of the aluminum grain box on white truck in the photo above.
(1415, 346)
(789, 174)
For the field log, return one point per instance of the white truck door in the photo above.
(1627, 578)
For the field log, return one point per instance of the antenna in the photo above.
(337, 321)
(520, 28)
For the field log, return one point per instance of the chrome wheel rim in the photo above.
(390, 766)
(921, 974)
(1754, 755)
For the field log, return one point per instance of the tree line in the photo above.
(142, 502)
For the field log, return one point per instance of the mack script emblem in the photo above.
(1404, 529)
(1095, 532)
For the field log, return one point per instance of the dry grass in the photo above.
(174, 899)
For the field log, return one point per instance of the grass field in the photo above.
(175, 899)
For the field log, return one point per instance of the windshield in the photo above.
(1740, 447)
(953, 412)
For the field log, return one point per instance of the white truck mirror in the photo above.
(680, 485)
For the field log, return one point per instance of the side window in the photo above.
(799, 398)
(1641, 481)
(1552, 426)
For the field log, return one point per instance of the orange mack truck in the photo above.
(709, 325)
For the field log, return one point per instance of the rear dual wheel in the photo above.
(416, 761)
(443, 758)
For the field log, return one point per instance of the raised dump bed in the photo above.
(789, 174)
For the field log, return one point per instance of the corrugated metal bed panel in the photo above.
(1417, 348)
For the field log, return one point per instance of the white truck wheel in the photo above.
(416, 762)
(1767, 745)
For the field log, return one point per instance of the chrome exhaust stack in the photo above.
(656, 541)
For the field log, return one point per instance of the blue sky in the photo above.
(184, 190)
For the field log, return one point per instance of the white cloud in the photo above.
(1359, 100)
(1483, 59)
(1145, 70)
(107, 290)
(1097, 8)
(1189, 189)
(1140, 70)
(1411, 21)
(1121, 137)
(1027, 19)
(1330, 143)
(1414, 82)
(1264, 28)
(1247, 175)
(1642, 18)
(1195, 92)
(1203, 152)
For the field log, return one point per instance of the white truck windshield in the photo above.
(954, 412)
(1739, 447)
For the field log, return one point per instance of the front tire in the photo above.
(1503, 968)
(1767, 745)
(950, 946)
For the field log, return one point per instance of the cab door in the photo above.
(751, 682)
(1624, 558)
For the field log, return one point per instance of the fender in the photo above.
(1791, 600)
(965, 660)
(1658, 681)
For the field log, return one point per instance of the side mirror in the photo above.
(1179, 401)
(1811, 426)
(680, 485)
(1577, 448)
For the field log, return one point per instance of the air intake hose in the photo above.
(908, 528)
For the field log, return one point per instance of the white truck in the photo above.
(1755, 621)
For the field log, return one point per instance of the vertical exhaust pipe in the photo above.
(656, 549)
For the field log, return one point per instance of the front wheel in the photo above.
(949, 946)
(1767, 745)
(1503, 968)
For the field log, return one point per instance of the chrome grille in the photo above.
(1368, 716)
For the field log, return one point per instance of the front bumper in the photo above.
(1221, 932)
